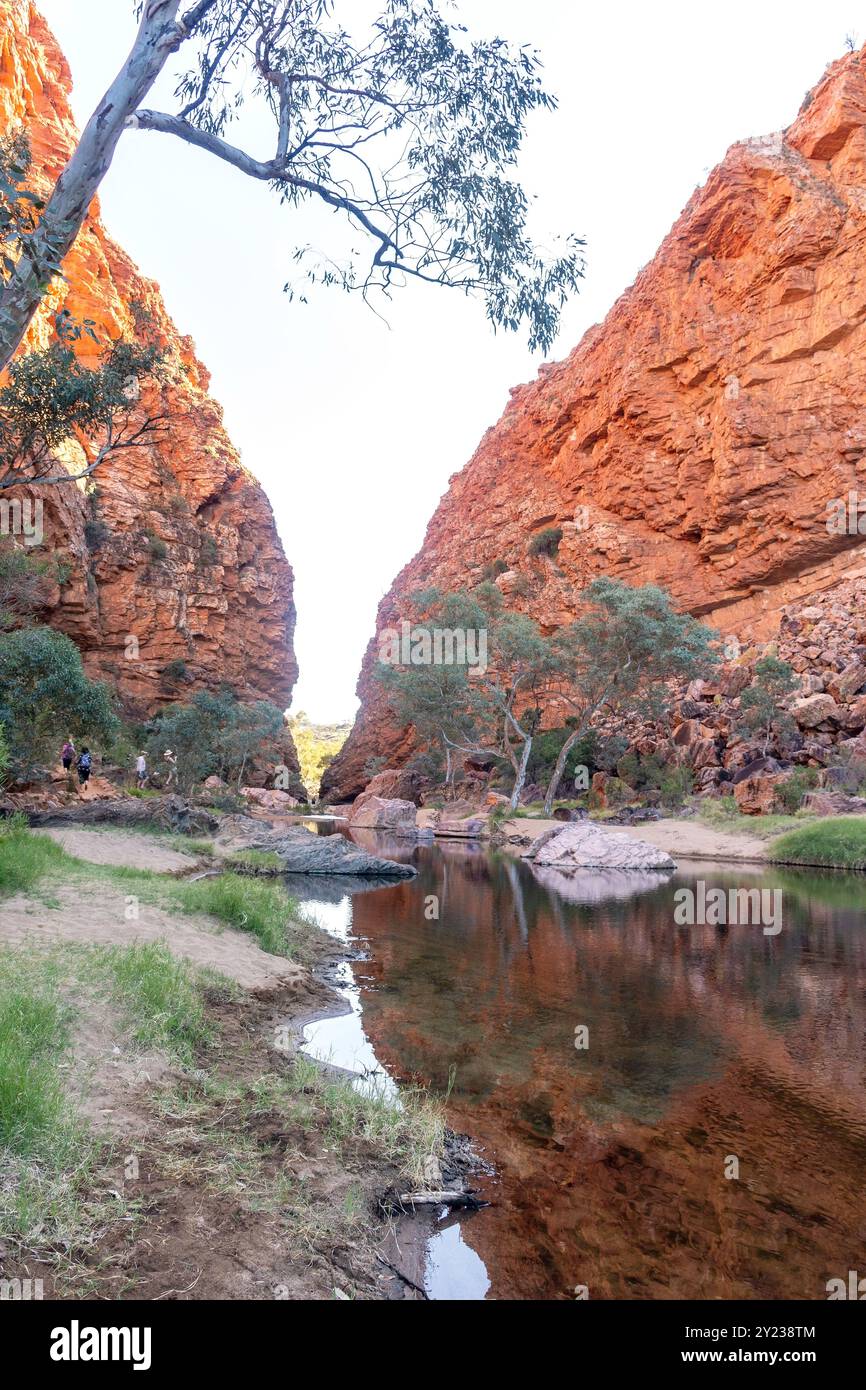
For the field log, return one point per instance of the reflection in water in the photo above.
(453, 1269)
(704, 1043)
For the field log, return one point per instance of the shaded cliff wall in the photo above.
(191, 566)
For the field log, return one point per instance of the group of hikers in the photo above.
(83, 763)
(142, 776)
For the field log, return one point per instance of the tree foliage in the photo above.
(52, 396)
(317, 746)
(408, 128)
(762, 712)
(45, 696)
(623, 653)
(215, 735)
(457, 705)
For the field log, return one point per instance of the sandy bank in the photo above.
(682, 839)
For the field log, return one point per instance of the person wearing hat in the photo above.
(170, 760)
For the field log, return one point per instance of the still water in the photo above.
(710, 1140)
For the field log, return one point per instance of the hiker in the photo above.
(140, 771)
(170, 760)
(67, 754)
(84, 766)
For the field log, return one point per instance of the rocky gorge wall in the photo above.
(176, 557)
(697, 437)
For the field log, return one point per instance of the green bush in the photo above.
(208, 551)
(790, 793)
(45, 696)
(96, 533)
(157, 548)
(173, 674)
(495, 568)
(546, 542)
(675, 785)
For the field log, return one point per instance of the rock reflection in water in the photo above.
(703, 1043)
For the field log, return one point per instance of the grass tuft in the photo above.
(25, 858)
(838, 843)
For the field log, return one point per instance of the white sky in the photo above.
(354, 427)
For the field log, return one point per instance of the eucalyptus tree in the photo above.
(622, 654)
(408, 128)
(463, 705)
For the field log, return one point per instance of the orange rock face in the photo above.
(696, 438)
(191, 568)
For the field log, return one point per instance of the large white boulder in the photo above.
(586, 845)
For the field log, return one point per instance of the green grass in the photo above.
(837, 842)
(723, 813)
(159, 996)
(53, 1192)
(47, 1156)
(184, 844)
(248, 904)
(255, 860)
(309, 1095)
(33, 1034)
(257, 905)
(25, 858)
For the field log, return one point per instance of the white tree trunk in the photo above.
(158, 35)
(556, 778)
(521, 774)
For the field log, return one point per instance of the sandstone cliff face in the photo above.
(696, 437)
(191, 568)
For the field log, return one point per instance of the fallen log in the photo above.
(446, 1197)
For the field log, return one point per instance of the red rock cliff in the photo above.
(191, 566)
(696, 437)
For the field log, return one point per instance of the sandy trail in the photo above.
(97, 916)
(122, 848)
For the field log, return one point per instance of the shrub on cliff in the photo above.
(51, 398)
(546, 542)
(761, 705)
(24, 582)
(46, 696)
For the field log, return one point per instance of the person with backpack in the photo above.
(85, 766)
(141, 771)
(67, 754)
